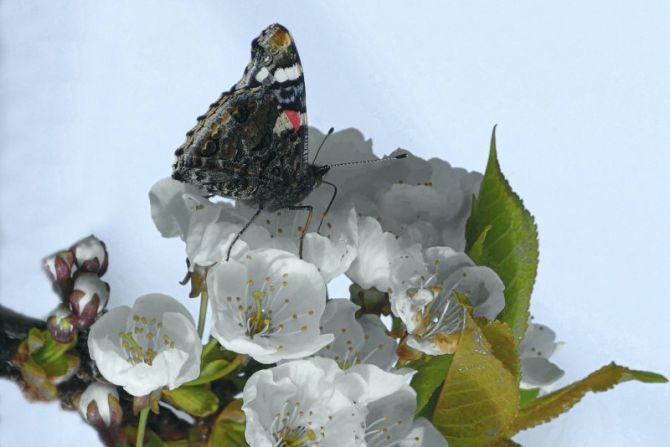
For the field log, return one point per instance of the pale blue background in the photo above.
(95, 96)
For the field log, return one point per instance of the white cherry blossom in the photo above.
(427, 202)
(422, 434)
(208, 228)
(538, 345)
(313, 402)
(268, 304)
(169, 209)
(422, 288)
(332, 249)
(357, 340)
(152, 345)
(377, 250)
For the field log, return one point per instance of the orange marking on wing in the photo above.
(294, 118)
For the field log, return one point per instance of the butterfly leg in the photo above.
(310, 213)
(244, 228)
(332, 199)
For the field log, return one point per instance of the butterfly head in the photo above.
(274, 59)
(317, 172)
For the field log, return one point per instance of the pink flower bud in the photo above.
(91, 255)
(99, 405)
(88, 298)
(59, 266)
(60, 325)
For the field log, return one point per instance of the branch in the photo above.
(14, 329)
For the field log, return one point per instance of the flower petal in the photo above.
(268, 305)
(168, 209)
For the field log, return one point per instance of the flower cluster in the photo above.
(75, 274)
(422, 201)
(397, 230)
(311, 370)
(314, 402)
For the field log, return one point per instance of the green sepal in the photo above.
(198, 401)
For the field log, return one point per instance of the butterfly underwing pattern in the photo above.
(251, 145)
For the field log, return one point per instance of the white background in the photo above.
(95, 97)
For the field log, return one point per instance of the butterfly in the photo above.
(251, 145)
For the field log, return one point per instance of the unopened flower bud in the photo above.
(99, 405)
(371, 300)
(60, 324)
(91, 255)
(88, 298)
(59, 266)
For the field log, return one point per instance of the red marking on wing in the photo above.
(294, 118)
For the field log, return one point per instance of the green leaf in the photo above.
(502, 235)
(197, 401)
(37, 381)
(211, 351)
(503, 346)
(228, 429)
(480, 397)
(504, 443)
(153, 440)
(527, 396)
(61, 366)
(477, 250)
(215, 370)
(552, 405)
(431, 372)
(51, 349)
(214, 351)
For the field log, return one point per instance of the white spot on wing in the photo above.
(280, 75)
(292, 72)
(262, 74)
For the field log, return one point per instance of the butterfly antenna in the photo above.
(332, 198)
(330, 131)
(349, 163)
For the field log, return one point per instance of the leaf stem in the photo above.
(232, 366)
(229, 368)
(204, 302)
(141, 426)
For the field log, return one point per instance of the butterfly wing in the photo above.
(224, 152)
(252, 143)
(275, 63)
